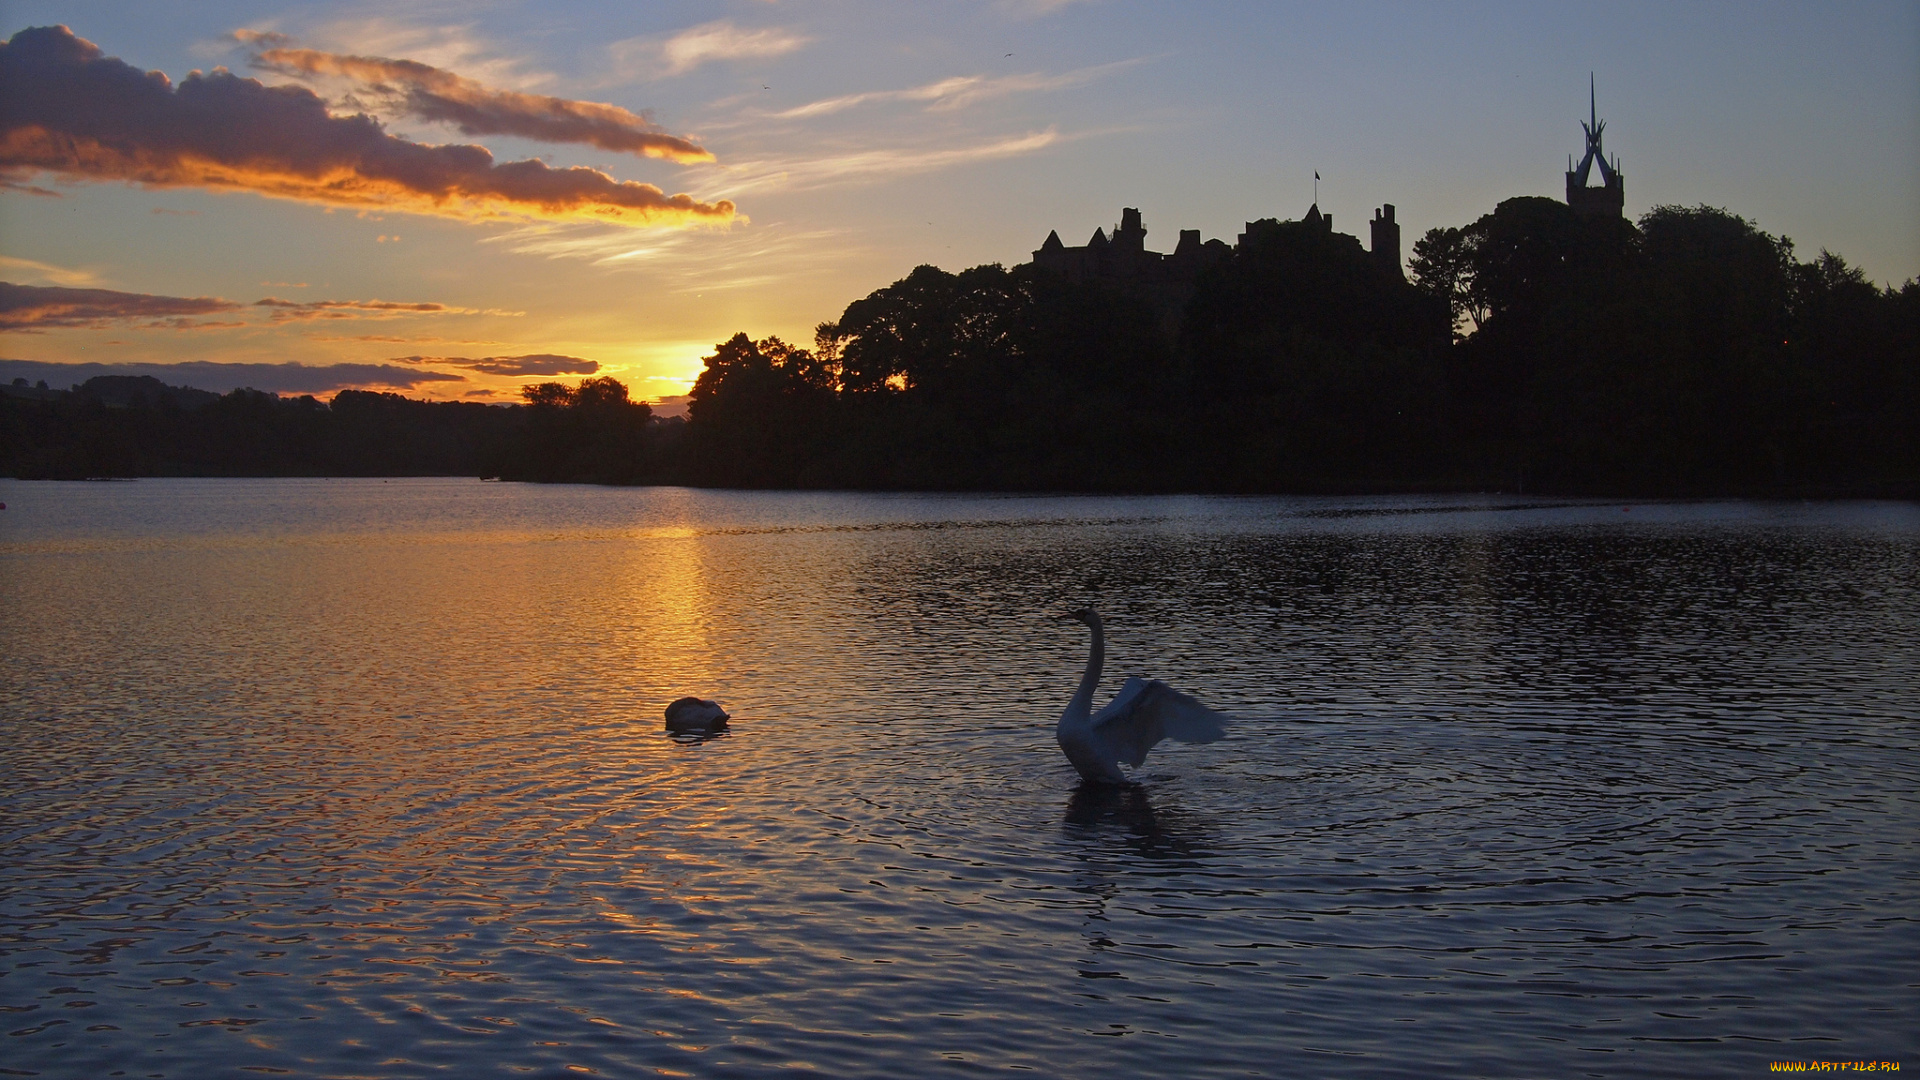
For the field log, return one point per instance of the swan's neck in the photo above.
(1081, 706)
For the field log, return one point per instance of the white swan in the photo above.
(1146, 711)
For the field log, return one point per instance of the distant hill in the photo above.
(122, 391)
(117, 392)
(21, 388)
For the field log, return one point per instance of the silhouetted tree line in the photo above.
(1693, 353)
(115, 426)
(988, 378)
(589, 434)
(1533, 349)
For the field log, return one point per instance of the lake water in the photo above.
(359, 778)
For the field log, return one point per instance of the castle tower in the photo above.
(1610, 198)
(1386, 240)
(1130, 235)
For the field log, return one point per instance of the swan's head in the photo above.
(1086, 615)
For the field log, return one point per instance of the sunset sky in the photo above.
(316, 205)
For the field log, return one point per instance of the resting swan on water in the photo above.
(1146, 711)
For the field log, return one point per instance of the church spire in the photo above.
(1610, 196)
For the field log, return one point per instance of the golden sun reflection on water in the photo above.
(663, 585)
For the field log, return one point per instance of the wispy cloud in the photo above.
(959, 91)
(306, 310)
(1034, 9)
(597, 245)
(692, 47)
(453, 46)
(533, 364)
(58, 275)
(9, 184)
(432, 94)
(73, 111)
(862, 166)
(402, 339)
(34, 308)
(766, 254)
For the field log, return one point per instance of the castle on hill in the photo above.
(1167, 281)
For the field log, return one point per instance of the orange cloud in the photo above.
(38, 307)
(66, 108)
(430, 93)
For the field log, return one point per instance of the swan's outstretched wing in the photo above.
(1149, 710)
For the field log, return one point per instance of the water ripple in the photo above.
(330, 778)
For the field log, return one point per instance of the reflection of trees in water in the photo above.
(1274, 619)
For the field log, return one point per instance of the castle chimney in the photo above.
(1386, 240)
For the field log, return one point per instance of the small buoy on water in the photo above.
(696, 716)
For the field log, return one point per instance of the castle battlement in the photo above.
(1124, 256)
(1164, 281)
(1167, 281)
